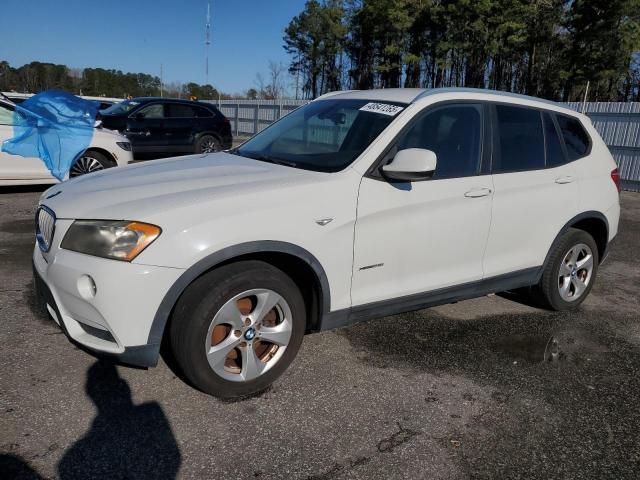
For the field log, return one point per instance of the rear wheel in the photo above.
(570, 272)
(90, 162)
(208, 144)
(236, 329)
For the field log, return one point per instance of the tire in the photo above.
(89, 162)
(575, 282)
(207, 339)
(208, 144)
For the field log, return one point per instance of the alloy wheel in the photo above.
(85, 165)
(248, 335)
(210, 146)
(576, 270)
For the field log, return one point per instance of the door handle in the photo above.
(565, 179)
(478, 192)
(128, 133)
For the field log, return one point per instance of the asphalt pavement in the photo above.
(487, 388)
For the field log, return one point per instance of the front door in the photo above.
(145, 129)
(422, 236)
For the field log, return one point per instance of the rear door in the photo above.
(146, 129)
(536, 190)
(15, 167)
(179, 127)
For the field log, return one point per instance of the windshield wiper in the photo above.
(269, 159)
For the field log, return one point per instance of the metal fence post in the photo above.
(237, 118)
(256, 112)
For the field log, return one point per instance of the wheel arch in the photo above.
(201, 134)
(101, 151)
(592, 222)
(295, 261)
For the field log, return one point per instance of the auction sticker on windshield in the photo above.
(383, 108)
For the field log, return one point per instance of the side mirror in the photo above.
(411, 165)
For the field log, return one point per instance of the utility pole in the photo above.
(584, 100)
(207, 42)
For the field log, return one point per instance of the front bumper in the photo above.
(116, 320)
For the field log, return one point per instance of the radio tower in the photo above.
(207, 42)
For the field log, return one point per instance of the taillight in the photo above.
(615, 176)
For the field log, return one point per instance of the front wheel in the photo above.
(236, 329)
(570, 272)
(90, 162)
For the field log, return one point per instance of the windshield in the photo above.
(324, 136)
(120, 108)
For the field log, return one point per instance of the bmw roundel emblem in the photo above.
(250, 334)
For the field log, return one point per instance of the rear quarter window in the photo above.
(202, 112)
(576, 139)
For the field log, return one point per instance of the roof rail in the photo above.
(434, 91)
(332, 94)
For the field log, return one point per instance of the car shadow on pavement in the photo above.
(561, 386)
(125, 440)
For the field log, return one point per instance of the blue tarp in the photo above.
(56, 127)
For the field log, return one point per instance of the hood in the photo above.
(107, 134)
(112, 121)
(146, 191)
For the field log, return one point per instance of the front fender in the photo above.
(210, 261)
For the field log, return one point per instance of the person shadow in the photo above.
(125, 440)
(14, 467)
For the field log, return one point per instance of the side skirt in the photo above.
(410, 303)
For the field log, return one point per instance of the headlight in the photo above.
(124, 145)
(119, 240)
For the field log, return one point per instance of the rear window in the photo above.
(177, 110)
(203, 112)
(576, 139)
(520, 139)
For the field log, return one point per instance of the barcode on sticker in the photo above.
(383, 108)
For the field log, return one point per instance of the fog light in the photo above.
(87, 287)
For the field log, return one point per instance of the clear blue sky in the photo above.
(139, 35)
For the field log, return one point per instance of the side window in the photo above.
(6, 116)
(155, 110)
(176, 110)
(555, 154)
(575, 138)
(520, 139)
(454, 134)
(203, 112)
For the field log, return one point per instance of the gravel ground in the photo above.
(459, 391)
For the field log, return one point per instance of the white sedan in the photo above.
(106, 149)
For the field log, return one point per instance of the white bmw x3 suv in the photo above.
(360, 204)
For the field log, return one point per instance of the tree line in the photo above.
(545, 48)
(36, 77)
